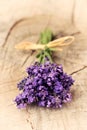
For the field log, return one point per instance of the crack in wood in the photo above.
(73, 12)
(75, 72)
(32, 127)
(32, 52)
(75, 33)
(29, 121)
(11, 29)
(25, 60)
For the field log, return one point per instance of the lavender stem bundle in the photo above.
(46, 84)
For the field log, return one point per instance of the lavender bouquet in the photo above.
(46, 84)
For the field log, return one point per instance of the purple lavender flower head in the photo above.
(46, 85)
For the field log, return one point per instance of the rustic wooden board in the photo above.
(13, 63)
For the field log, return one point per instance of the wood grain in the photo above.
(72, 116)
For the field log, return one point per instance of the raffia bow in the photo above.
(56, 45)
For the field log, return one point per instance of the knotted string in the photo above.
(55, 44)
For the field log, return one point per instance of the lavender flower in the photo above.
(46, 85)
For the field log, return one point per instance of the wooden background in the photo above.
(64, 17)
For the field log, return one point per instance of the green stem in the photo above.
(47, 54)
(45, 37)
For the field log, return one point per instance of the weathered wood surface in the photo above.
(13, 63)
